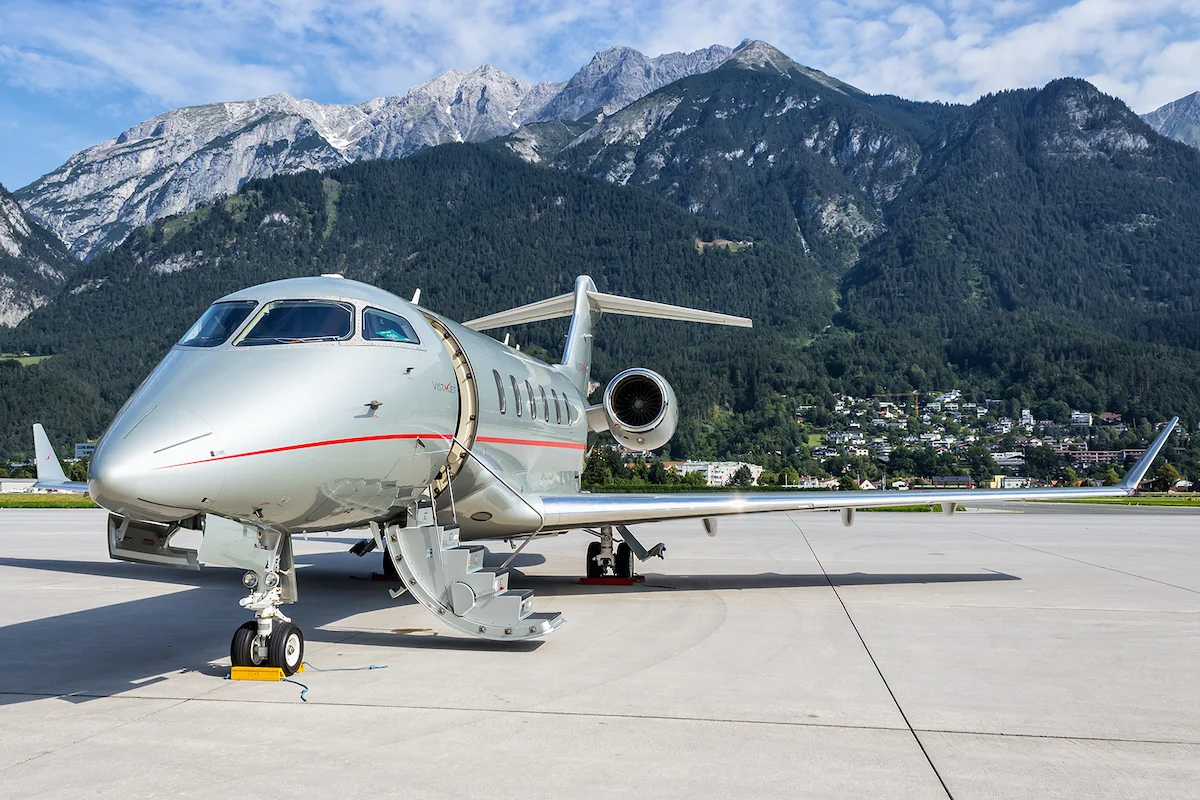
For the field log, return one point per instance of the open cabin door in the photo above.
(468, 408)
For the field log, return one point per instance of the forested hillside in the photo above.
(476, 231)
(1036, 245)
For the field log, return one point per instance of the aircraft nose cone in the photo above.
(160, 469)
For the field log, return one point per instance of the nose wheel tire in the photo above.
(286, 648)
(242, 652)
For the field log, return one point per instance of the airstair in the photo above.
(448, 578)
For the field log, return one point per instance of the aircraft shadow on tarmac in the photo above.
(129, 645)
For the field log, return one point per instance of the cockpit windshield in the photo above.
(296, 321)
(218, 323)
(382, 326)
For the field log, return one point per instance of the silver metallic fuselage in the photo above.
(285, 435)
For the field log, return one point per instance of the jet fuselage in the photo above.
(312, 435)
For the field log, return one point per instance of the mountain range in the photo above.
(1034, 244)
(174, 162)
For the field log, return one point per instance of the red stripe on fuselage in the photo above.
(531, 442)
(307, 445)
(381, 438)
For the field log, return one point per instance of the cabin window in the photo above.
(380, 326)
(545, 404)
(557, 407)
(301, 321)
(500, 391)
(516, 394)
(218, 323)
(532, 401)
(570, 411)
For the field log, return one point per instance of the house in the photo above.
(950, 482)
(1081, 419)
(718, 473)
(867, 486)
(812, 482)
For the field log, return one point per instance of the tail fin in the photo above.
(584, 306)
(48, 467)
(50, 473)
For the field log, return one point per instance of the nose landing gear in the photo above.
(271, 639)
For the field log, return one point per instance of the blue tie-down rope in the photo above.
(344, 669)
(304, 689)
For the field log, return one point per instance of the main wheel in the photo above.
(242, 652)
(286, 649)
(624, 567)
(593, 566)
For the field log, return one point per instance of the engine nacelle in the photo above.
(640, 409)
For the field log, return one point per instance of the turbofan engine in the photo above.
(639, 409)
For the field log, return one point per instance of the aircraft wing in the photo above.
(50, 473)
(593, 510)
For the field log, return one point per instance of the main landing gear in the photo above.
(605, 561)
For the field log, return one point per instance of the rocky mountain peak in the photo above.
(758, 55)
(616, 77)
(1179, 119)
(1084, 122)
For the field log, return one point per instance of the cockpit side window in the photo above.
(301, 321)
(382, 326)
(218, 323)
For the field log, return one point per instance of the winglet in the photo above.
(1134, 477)
(48, 467)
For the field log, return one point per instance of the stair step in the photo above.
(437, 571)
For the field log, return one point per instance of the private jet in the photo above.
(325, 404)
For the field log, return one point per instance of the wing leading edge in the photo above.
(589, 510)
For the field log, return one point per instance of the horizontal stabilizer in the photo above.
(564, 306)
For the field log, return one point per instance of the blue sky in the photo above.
(77, 72)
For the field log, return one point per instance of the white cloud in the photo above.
(203, 50)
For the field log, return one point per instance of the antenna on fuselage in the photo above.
(416, 297)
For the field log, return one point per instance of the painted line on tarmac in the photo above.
(874, 663)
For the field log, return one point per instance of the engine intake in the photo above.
(640, 409)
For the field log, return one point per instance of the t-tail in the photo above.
(584, 306)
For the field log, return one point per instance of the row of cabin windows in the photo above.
(538, 400)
